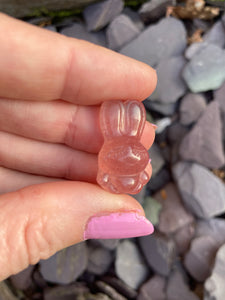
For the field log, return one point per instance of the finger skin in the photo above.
(41, 219)
(46, 159)
(43, 65)
(58, 122)
(12, 180)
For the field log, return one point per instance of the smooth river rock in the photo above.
(191, 107)
(98, 15)
(121, 31)
(66, 265)
(153, 289)
(202, 192)
(173, 214)
(204, 143)
(129, 264)
(206, 70)
(154, 9)
(165, 39)
(200, 257)
(170, 86)
(159, 251)
(214, 285)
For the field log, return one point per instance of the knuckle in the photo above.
(70, 136)
(35, 231)
(37, 243)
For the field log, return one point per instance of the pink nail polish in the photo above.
(154, 126)
(150, 160)
(117, 226)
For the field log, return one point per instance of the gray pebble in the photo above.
(98, 15)
(183, 237)
(173, 214)
(121, 31)
(170, 86)
(134, 16)
(79, 31)
(177, 287)
(154, 9)
(200, 257)
(159, 252)
(129, 264)
(191, 108)
(66, 265)
(216, 35)
(157, 160)
(206, 70)
(23, 279)
(194, 49)
(204, 143)
(176, 132)
(165, 39)
(109, 244)
(153, 289)
(99, 260)
(214, 285)
(202, 192)
(213, 227)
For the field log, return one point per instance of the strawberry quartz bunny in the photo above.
(122, 159)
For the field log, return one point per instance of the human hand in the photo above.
(51, 87)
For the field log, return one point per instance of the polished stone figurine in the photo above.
(122, 159)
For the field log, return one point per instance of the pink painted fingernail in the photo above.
(117, 226)
(154, 126)
(150, 160)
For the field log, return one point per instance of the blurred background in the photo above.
(185, 199)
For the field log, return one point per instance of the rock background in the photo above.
(185, 198)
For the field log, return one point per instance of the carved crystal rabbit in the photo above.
(122, 159)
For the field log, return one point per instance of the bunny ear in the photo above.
(111, 118)
(118, 118)
(134, 118)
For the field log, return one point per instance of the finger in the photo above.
(11, 180)
(52, 216)
(43, 65)
(58, 122)
(148, 135)
(148, 170)
(46, 159)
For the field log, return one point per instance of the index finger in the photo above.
(37, 64)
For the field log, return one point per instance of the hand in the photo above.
(51, 87)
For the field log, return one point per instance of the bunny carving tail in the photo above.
(122, 159)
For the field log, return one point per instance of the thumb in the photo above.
(41, 219)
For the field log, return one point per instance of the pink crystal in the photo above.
(122, 159)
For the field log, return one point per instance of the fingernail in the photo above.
(154, 126)
(150, 160)
(117, 226)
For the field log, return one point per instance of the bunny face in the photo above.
(123, 156)
(122, 159)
